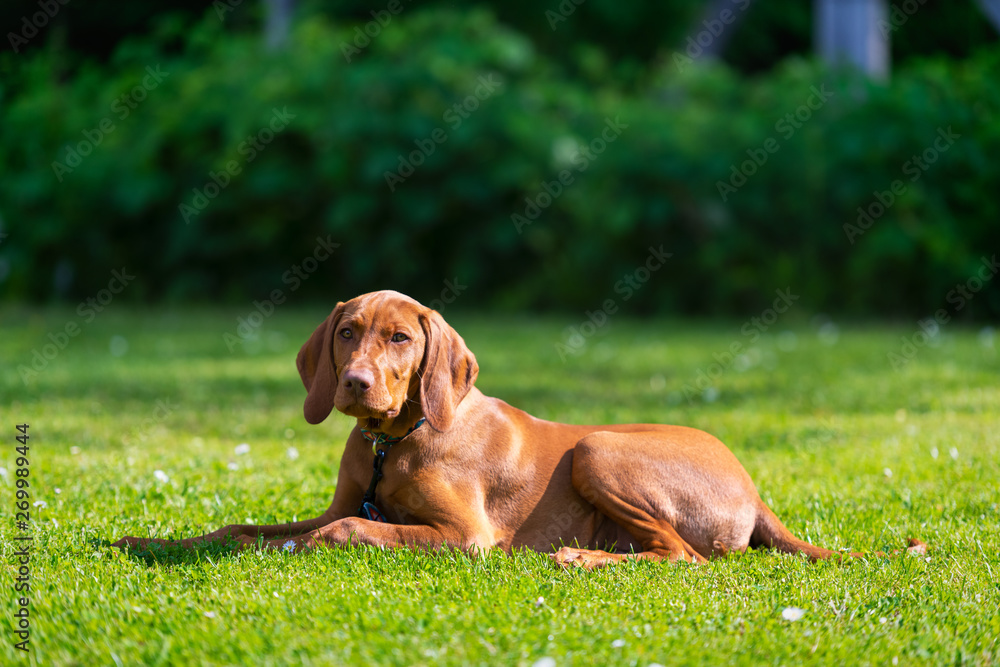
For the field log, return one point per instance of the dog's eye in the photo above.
(346, 333)
(399, 337)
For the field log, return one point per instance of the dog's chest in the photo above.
(404, 493)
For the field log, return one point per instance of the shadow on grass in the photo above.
(170, 555)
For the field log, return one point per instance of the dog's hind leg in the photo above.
(679, 493)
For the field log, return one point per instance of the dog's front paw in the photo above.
(136, 543)
(916, 547)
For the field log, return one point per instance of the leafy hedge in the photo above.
(221, 178)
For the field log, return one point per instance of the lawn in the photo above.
(146, 423)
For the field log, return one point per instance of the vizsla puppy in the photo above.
(461, 469)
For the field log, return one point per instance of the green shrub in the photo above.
(351, 123)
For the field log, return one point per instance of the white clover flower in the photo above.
(242, 448)
(161, 476)
(792, 613)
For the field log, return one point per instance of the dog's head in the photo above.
(386, 359)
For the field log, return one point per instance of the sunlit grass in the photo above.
(850, 454)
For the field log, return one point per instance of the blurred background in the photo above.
(520, 155)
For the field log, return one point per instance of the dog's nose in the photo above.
(359, 381)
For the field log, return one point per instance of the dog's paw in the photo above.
(139, 543)
(588, 559)
(131, 542)
(566, 557)
(916, 547)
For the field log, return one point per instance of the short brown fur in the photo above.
(482, 474)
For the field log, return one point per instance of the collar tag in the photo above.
(379, 439)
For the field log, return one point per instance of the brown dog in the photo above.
(481, 474)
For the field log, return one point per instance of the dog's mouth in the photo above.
(359, 410)
(383, 415)
(377, 421)
(379, 424)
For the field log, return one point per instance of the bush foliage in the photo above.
(751, 184)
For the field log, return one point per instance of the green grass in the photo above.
(838, 443)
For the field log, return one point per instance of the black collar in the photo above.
(368, 509)
(384, 438)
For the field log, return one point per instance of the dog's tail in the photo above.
(769, 532)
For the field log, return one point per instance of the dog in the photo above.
(432, 462)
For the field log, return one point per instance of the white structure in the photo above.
(848, 31)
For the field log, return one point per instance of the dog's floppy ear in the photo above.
(317, 369)
(447, 372)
